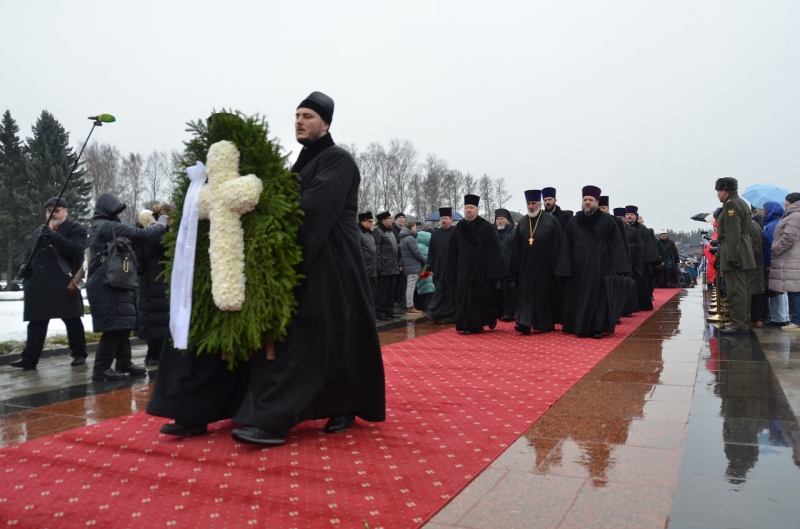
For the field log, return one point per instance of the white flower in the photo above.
(223, 200)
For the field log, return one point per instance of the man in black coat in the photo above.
(648, 255)
(55, 253)
(474, 265)
(550, 206)
(506, 295)
(537, 246)
(593, 250)
(365, 222)
(387, 266)
(330, 364)
(442, 305)
(635, 259)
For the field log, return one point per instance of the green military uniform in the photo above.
(736, 253)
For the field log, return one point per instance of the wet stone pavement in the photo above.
(675, 428)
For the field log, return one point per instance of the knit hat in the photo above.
(791, 198)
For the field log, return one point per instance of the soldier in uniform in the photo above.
(735, 254)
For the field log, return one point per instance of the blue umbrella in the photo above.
(434, 217)
(760, 194)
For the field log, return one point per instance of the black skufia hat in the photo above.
(445, 212)
(502, 212)
(603, 201)
(320, 103)
(472, 200)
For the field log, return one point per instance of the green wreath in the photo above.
(270, 237)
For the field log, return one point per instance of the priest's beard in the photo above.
(588, 210)
(534, 212)
(54, 223)
(549, 208)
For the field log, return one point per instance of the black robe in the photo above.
(562, 216)
(442, 306)
(539, 297)
(641, 273)
(474, 264)
(593, 249)
(330, 362)
(636, 263)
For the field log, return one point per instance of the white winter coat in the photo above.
(784, 276)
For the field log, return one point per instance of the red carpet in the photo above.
(455, 403)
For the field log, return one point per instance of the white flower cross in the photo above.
(223, 200)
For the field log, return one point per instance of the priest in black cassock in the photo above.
(648, 254)
(330, 365)
(474, 264)
(537, 246)
(550, 206)
(593, 249)
(635, 256)
(442, 307)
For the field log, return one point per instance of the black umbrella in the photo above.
(701, 217)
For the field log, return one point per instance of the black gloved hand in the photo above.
(23, 272)
(46, 232)
(736, 265)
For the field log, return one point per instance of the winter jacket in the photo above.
(733, 234)
(756, 275)
(425, 286)
(153, 305)
(411, 259)
(112, 309)
(785, 273)
(385, 251)
(45, 289)
(774, 213)
(368, 250)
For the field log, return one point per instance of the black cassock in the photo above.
(330, 362)
(539, 298)
(592, 250)
(474, 264)
(442, 306)
(641, 272)
(631, 238)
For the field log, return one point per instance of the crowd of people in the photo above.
(584, 271)
(756, 256)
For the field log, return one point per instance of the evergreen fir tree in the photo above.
(47, 167)
(13, 239)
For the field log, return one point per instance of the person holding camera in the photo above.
(54, 255)
(735, 254)
(113, 308)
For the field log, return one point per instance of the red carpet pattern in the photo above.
(455, 403)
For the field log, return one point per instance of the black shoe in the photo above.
(628, 315)
(257, 436)
(22, 364)
(734, 330)
(109, 374)
(151, 361)
(474, 331)
(493, 325)
(339, 423)
(132, 369)
(184, 428)
(506, 319)
(78, 361)
(596, 335)
(395, 316)
(524, 329)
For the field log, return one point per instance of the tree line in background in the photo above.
(33, 170)
(393, 178)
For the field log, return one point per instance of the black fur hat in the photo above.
(727, 184)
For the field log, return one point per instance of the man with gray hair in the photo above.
(54, 255)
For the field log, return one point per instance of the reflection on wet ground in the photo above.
(675, 427)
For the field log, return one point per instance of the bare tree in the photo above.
(177, 171)
(101, 161)
(157, 177)
(435, 171)
(501, 194)
(403, 166)
(486, 192)
(470, 184)
(453, 186)
(133, 175)
(375, 167)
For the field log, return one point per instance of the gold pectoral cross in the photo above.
(530, 241)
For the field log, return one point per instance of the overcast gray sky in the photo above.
(650, 101)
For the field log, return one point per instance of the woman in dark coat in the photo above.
(113, 310)
(153, 305)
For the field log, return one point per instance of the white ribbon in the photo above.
(180, 301)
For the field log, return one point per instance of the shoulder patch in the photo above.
(731, 212)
